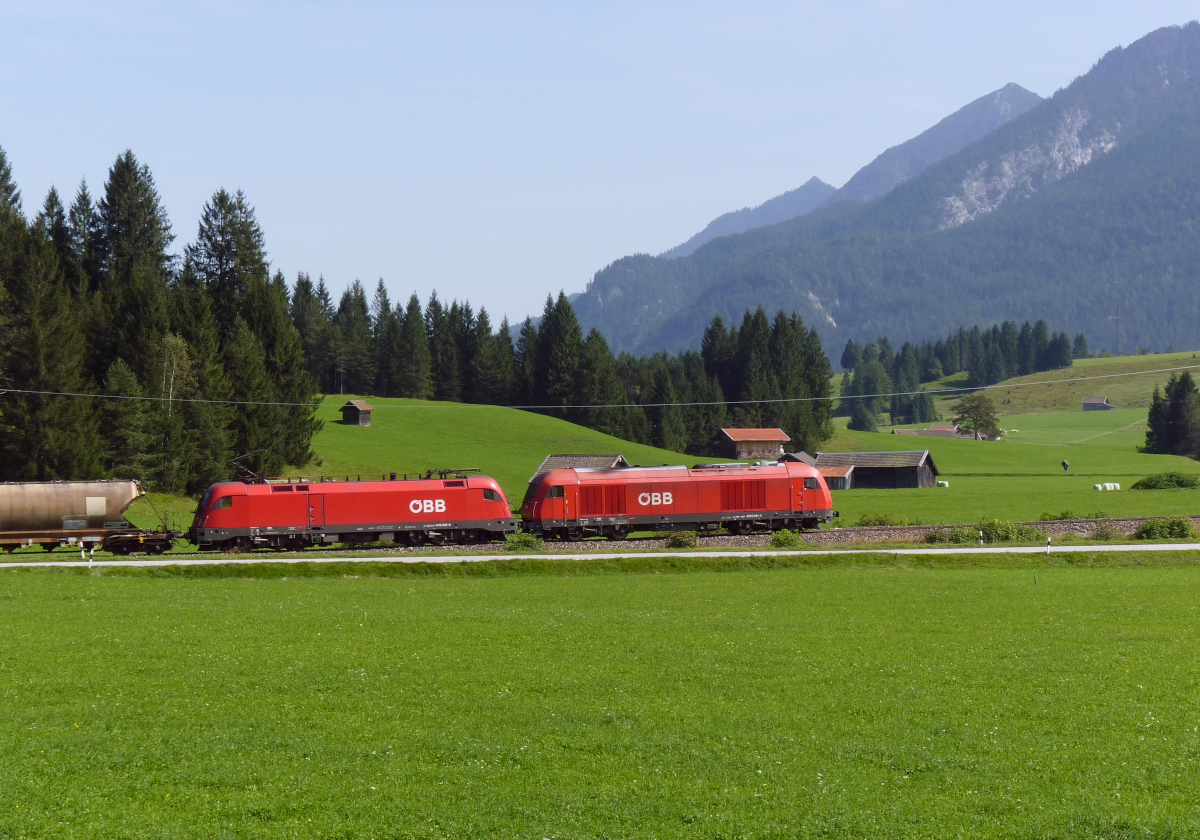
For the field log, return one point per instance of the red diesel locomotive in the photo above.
(296, 515)
(576, 503)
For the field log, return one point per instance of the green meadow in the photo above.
(1017, 478)
(1014, 701)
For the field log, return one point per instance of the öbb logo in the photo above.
(656, 499)
(427, 505)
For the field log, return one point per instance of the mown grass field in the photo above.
(414, 435)
(812, 702)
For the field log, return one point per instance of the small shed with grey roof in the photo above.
(883, 470)
(1097, 404)
(579, 462)
(357, 413)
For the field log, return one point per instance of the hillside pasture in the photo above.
(1021, 476)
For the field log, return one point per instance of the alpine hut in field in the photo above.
(753, 444)
(1097, 404)
(357, 413)
(880, 470)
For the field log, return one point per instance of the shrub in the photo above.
(1167, 481)
(957, 536)
(997, 531)
(524, 541)
(786, 539)
(682, 539)
(875, 520)
(1105, 530)
(1167, 528)
(994, 531)
(1070, 514)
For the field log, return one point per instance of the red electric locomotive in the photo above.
(575, 503)
(293, 515)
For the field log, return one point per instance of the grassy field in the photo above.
(1021, 476)
(820, 702)
(414, 435)
(1132, 388)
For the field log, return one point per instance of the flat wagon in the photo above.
(575, 503)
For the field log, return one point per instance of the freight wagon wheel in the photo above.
(49, 546)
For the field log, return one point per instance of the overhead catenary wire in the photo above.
(939, 391)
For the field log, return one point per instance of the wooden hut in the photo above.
(357, 413)
(753, 444)
(883, 470)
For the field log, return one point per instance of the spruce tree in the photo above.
(311, 316)
(134, 234)
(525, 364)
(504, 390)
(125, 424)
(384, 330)
(353, 342)
(602, 387)
(83, 273)
(443, 352)
(560, 353)
(10, 196)
(1041, 344)
(229, 255)
(413, 377)
(46, 437)
(253, 426)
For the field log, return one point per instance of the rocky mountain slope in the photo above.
(1084, 207)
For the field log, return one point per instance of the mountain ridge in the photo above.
(958, 243)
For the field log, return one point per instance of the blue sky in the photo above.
(500, 152)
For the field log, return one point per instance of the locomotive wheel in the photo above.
(742, 528)
(618, 532)
(574, 534)
(470, 537)
(437, 539)
(414, 538)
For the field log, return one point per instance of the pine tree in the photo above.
(83, 273)
(311, 316)
(384, 328)
(443, 352)
(525, 364)
(134, 233)
(207, 420)
(413, 377)
(10, 196)
(602, 387)
(353, 342)
(125, 424)
(560, 353)
(229, 255)
(47, 437)
(253, 426)
(504, 391)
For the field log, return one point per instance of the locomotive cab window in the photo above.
(556, 492)
(811, 484)
(222, 503)
(491, 495)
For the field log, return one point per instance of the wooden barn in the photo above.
(357, 413)
(753, 444)
(880, 470)
(1097, 404)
